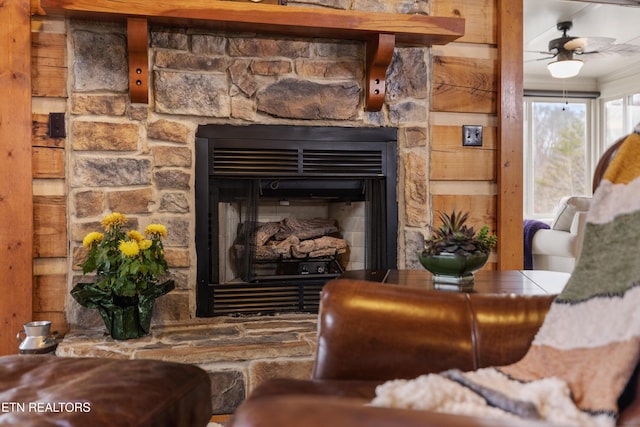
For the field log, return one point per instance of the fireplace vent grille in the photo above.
(267, 298)
(228, 161)
(331, 162)
(287, 162)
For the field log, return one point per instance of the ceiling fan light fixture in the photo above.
(563, 69)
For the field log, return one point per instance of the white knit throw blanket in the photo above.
(589, 344)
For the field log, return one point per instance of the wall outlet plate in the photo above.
(471, 136)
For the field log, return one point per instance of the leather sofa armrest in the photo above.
(371, 331)
(363, 390)
(135, 393)
(311, 411)
(375, 332)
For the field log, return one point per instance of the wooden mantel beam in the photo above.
(381, 31)
(231, 16)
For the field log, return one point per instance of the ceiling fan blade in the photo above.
(611, 51)
(588, 44)
(540, 59)
(540, 52)
(622, 49)
(616, 2)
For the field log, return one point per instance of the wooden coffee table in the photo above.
(518, 282)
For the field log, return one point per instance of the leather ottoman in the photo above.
(43, 390)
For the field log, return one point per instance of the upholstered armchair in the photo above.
(558, 247)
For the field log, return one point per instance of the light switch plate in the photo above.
(56, 125)
(472, 136)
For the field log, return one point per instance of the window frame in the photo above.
(621, 84)
(628, 124)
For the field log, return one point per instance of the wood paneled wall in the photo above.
(49, 61)
(50, 246)
(478, 81)
(465, 92)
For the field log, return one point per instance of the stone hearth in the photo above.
(238, 353)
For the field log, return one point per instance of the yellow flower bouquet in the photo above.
(128, 267)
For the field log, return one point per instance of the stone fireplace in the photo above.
(140, 159)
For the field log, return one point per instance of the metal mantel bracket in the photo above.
(137, 45)
(379, 54)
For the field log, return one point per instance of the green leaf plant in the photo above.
(454, 236)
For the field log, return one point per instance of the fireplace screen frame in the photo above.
(292, 155)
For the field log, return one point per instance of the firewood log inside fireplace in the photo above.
(274, 250)
(297, 238)
(320, 247)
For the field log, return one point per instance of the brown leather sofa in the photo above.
(370, 332)
(44, 390)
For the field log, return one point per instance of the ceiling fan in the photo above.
(566, 48)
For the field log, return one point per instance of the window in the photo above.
(620, 117)
(634, 112)
(556, 153)
(560, 151)
(613, 120)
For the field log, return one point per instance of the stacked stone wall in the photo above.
(139, 159)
